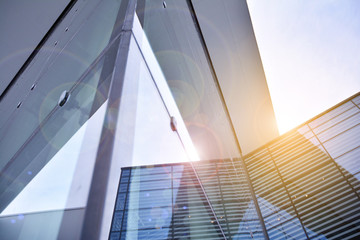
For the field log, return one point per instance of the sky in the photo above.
(310, 51)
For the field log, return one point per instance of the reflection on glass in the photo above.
(53, 171)
(144, 136)
(47, 152)
(301, 188)
(175, 41)
(62, 71)
(183, 210)
(168, 213)
(229, 194)
(50, 188)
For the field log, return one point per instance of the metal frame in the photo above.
(304, 124)
(96, 201)
(207, 53)
(103, 54)
(38, 47)
(116, 63)
(97, 195)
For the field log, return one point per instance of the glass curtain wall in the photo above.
(169, 202)
(162, 202)
(175, 39)
(307, 187)
(177, 44)
(51, 125)
(307, 181)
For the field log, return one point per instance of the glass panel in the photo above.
(53, 171)
(344, 142)
(229, 195)
(331, 114)
(356, 100)
(151, 170)
(149, 139)
(147, 218)
(118, 218)
(350, 162)
(152, 177)
(300, 187)
(276, 208)
(42, 226)
(47, 149)
(151, 234)
(336, 120)
(149, 199)
(175, 41)
(62, 71)
(145, 136)
(340, 127)
(150, 185)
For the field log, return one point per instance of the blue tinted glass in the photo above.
(118, 216)
(123, 187)
(157, 217)
(151, 177)
(125, 172)
(115, 236)
(151, 170)
(151, 234)
(150, 185)
(120, 202)
(149, 199)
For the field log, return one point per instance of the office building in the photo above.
(306, 184)
(90, 87)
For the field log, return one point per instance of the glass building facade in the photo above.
(92, 87)
(306, 184)
(110, 84)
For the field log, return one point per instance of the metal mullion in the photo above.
(222, 202)
(351, 100)
(126, 197)
(123, 210)
(327, 140)
(347, 152)
(336, 165)
(334, 125)
(221, 95)
(207, 199)
(172, 202)
(97, 195)
(253, 195)
(287, 192)
(328, 120)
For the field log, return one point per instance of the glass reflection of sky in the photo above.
(276, 218)
(51, 187)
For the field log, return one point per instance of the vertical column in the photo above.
(97, 196)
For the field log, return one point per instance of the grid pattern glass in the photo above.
(307, 181)
(306, 184)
